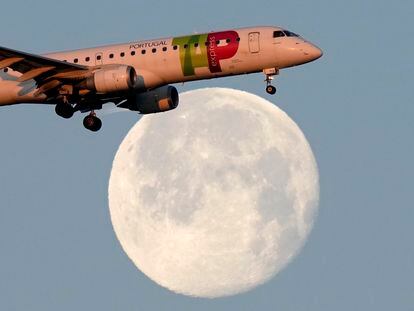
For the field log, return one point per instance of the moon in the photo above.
(216, 197)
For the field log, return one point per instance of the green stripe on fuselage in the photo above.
(192, 56)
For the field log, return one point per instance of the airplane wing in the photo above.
(48, 73)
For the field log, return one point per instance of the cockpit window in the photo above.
(290, 34)
(278, 34)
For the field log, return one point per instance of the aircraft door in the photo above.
(98, 59)
(254, 42)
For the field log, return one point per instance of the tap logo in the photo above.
(206, 50)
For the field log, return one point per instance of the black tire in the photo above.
(65, 111)
(271, 89)
(92, 123)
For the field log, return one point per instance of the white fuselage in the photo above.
(179, 59)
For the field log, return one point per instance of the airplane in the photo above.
(138, 75)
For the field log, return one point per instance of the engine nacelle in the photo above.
(111, 79)
(158, 100)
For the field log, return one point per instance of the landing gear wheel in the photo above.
(270, 73)
(64, 110)
(271, 89)
(92, 123)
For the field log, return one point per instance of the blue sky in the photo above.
(58, 249)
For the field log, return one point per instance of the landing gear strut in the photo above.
(92, 122)
(270, 73)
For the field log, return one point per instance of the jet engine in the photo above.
(158, 100)
(111, 79)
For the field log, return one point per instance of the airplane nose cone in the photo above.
(313, 52)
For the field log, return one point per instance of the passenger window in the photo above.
(6, 69)
(207, 43)
(238, 39)
(75, 60)
(154, 50)
(185, 46)
(195, 45)
(175, 47)
(164, 49)
(228, 40)
(278, 34)
(111, 55)
(99, 57)
(132, 53)
(143, 52)
(122, 54)
(87, 59)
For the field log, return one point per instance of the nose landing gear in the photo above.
(270, 73)
(92, 122)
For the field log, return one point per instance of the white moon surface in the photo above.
(216, 197)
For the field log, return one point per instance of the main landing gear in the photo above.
(66, 110)
(92, 122)
(270, 73)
